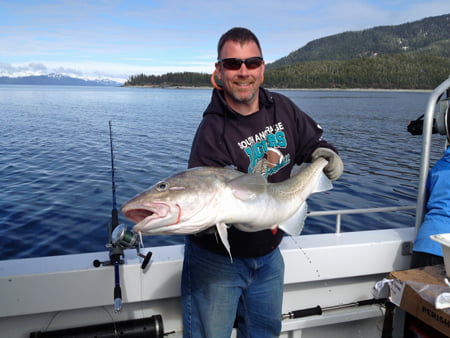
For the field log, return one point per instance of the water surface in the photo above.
(55, 174)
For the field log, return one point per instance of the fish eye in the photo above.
(162, 186)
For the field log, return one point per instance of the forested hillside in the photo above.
(189, 79)
(413, 55)
(395, 71)
(430, 36)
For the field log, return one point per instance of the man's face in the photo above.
(241, 86)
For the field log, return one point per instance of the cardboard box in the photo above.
(407, 298)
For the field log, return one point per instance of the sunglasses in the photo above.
(235, 64)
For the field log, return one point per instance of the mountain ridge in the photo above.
(413, 55)
(56, 79)
(430, 35)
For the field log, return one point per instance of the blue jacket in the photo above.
(437, 218)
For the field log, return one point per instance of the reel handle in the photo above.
(147, 258)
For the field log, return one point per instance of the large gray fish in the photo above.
(199, 198)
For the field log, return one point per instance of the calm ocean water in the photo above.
(55, 174)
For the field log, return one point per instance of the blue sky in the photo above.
(118, 38)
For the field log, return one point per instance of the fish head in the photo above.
(173, 206)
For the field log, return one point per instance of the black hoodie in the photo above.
(279, 133)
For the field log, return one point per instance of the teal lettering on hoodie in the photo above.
(257, 151)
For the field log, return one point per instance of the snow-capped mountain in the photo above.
(56, 79)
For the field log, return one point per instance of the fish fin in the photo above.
(294, 225)
(222, 229)
(323, 184)
(248, 186)
(296, 168)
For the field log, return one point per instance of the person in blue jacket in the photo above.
(437, 219)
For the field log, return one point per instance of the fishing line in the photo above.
(51, 320)
(318, 274)
(116, 333)
(305, 255)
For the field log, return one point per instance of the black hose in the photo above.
(146, 327)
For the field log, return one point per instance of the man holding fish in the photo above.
(239, 198)
(254, 131)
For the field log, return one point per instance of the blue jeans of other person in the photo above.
(215, 290)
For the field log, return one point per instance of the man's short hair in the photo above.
(237, 34)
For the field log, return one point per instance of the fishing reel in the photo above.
(128, 239)
(122, 239)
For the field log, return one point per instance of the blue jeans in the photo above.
(216, 292)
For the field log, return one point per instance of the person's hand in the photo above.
(335, 166)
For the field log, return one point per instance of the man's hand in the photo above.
(335, 166)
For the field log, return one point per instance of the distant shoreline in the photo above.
(297, 89)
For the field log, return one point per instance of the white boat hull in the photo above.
(53, 293)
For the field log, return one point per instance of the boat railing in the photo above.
(339, 213)
(435, 95)
(426, 146)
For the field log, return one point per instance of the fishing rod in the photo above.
(115, 251)
(318, 310)
(114, 212)
(120, 238)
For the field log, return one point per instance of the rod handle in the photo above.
(118, 301)
(371, 301)
(306, 312)
(117, 289)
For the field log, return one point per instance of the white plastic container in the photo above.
(444, 239)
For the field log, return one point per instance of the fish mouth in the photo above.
(149, 217)
(137, 215)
